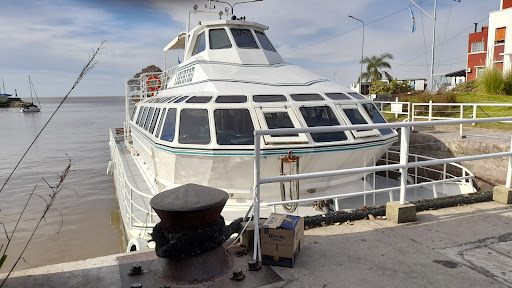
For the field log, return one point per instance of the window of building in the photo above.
(500, 35)
(268, 98)
(219, 39)
(477, 47)
(200, 45)
(194, 127)
(322, 116)
(244, 38)
(169, 125)
(233, 127)
(265, 43)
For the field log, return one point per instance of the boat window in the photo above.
(276, 120)
(134, 112)
(153, 121)
(322, 116)
(143, 118)
(264, 42)
(269, 98)
(338, 96)
(199, 99)
(171, 99)
(180, 99)
(307, 97)
(357, 96)
(194, 127)
(169, 125)
(231, 99)
(200, 45)
(159, 128)
(376, 117)
(219, 39)
(244, 38)
(233, 127)
(148, 120)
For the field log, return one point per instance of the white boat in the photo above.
(194, 123)
(31, 107)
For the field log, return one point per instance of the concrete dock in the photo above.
(465, 246)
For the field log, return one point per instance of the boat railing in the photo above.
(394, 107)
(127, 191)
(403, 165)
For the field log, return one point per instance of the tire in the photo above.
(136, 244)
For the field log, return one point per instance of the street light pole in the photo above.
(362, 54)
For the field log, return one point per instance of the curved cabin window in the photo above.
(233, 127)
(200, 99)
(264, 42)
(231, 99)
(338, 96)
(169, 125)
(134, 112)
(244, 38)
(139, 116)
(160, 124)
(376, 117)
(200, 45)
(194, 127)
(307, 97)
(357, 96)
(322, 116)
(153, 121)
(219, 39)
(268, 98)
(143, 118)
(148, 120)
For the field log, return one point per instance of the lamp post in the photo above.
(362, 54)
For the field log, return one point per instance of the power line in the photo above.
(348, 31)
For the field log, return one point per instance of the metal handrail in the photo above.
(403, 166)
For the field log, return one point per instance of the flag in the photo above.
(413, 21)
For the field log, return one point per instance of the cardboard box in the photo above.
(281, 237)
(247, 238)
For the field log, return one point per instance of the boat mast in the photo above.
(35, 93)
(3, 84)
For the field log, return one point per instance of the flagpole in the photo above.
(433, 48)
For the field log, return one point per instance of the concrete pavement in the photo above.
(465, 246)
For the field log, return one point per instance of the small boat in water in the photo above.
(31, 107)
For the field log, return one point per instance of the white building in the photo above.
(499, 47)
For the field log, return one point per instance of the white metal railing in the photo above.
(126, 191)
(461, 111)
(396, 107)
(402, 166)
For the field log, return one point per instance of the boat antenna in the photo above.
(233, 6)
(3, 84)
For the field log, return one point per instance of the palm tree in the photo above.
(374, 64)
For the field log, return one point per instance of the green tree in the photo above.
(374, 64)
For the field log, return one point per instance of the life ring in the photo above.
(151, 87)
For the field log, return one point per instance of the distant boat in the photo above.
(31, 107)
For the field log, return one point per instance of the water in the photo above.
(86, 209)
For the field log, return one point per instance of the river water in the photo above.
(85, 211)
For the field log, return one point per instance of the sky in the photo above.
(51, 40)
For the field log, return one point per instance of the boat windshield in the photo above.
(219, 39)
(244, 38)
(322, 116)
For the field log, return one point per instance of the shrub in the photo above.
(492, 81)
(507, 85)
(393, 87)
(467, 87)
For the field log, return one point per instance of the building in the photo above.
(492, 46)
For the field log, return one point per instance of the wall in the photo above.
(506, 4)
(478, 58)
(498, 19)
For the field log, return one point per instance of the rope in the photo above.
(194, 241)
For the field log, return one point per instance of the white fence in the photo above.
(396, 107)
(403, 166)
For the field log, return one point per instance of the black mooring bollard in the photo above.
(190, 235)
